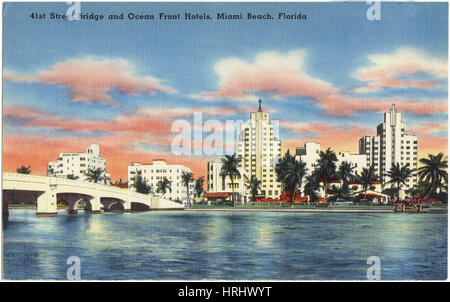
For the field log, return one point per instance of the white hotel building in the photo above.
(260, 148)
(310, 153)
(158, 170)
(390, 146)
(78, 164)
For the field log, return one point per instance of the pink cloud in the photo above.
(91, 80)
(338, 137)
(134, 123)
(386, 70)
(279, 75)
(145, 119)
(344, 105)
(151, 126)
(23, 112)
(429, 128)
(430, 142)
(284, 76)
(184, 112)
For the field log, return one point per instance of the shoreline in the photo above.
(294, 210)
(425, 211)
(285, 210)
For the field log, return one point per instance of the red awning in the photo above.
(124, 186)
(371, 195)
(215, 195)
(355, 182)
(331, 180)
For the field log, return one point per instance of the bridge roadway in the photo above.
(46, 192)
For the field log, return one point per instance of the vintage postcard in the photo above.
(225, 141)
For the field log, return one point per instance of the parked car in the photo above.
(365, 202)
(222, 202)
(342, 202)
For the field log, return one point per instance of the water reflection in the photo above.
(187, 245)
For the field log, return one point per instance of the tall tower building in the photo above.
(390, 146)
(259, 149)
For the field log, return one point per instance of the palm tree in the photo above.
(341, 192)
(366, 178)
(163, 185)
(312, 185)
(345, 173)
(295, 173)
(419, 190)
(95, 175)
(230, 168)
(326, 167)
(142, 186)
(433, 171)
(281, 167)
(290, 173)
(398, 175)
(106, 178)
(253, 184)
(199, 186)
(24, 170)
(119, 182)
(186, 179)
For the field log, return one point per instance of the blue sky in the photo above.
(336, 40)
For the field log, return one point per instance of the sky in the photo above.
(123, 83)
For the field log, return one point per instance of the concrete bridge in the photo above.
(46, 192)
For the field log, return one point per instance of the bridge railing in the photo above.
(10, 176)
(22, 177)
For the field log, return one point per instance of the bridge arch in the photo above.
(117, 207)
(72, 199)
(21, 196)
(112, 203)
(139, 207)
